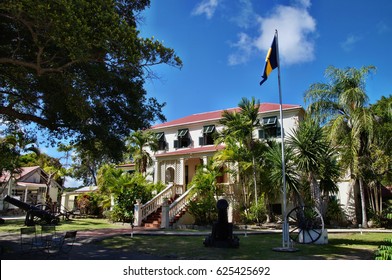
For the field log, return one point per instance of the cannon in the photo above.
(34, 215)
(222, 230)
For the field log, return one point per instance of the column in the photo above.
(64, 202)
(156, 172)
(205, 160)
(137, 219)
(182, 174)
(165, 214)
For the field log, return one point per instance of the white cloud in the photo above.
(382, 28)
(206, 7)
(244, 48)
(350, 42)
(296, 29)
(246, 15)
(72, 183)
(304, 3)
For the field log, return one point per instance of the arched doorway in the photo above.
(169, 175)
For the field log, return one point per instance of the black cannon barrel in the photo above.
(20, 204)
(30, 208)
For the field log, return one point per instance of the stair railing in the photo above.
(180, 203)
(156, 202)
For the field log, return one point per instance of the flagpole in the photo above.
(285, 228)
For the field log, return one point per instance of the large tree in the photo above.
(314, 159)
(342, 104)
(77, 68)
(379, 159)
(242, 147)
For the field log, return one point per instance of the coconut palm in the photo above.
(341, 104)
(241, 145)
(136, 145)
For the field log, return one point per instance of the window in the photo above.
(270, 128)
(161, 141)
(269, 121)
(207, 138)
(183, 139)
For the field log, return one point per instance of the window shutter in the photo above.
(261, 134)
(201, 141)
(278, 132)
(175, 144)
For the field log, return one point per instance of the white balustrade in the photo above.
(180, 203)
(152, 205)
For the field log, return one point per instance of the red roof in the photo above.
(190, 151)
(23, 172)
(216, 115)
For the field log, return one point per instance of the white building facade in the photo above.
(186, 143)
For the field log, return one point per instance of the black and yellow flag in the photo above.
(271, 61)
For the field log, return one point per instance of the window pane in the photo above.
(159, 135)
(208, 128)
(269, 120)
(182, 132)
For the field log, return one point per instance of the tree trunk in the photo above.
(363, 203)
(315, 191)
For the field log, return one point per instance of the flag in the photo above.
(271, 61)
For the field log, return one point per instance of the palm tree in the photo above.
(137, 143)
(272, 180)
(341, 105)
(309, 146)
(241, 146)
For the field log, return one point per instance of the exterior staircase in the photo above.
(178, 216)
(154, 219)
(177, 208)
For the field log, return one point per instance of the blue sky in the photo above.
(223, 44)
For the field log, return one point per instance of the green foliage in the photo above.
(90, 204)
(126, 189)
(137, 143)
(257, 213)
(341, 105)
(241, 147)
(204, 210)
(125, 198)
(335, 212)
(384, 252)
(77, 69)
(13, 143)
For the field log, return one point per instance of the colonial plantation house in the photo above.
(185, 144)
(32, 185)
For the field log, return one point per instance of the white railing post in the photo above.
(137, 213)
(152, 205)
(165, 214)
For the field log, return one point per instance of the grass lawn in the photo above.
(13, 226)
(349, 246)
(340, 245)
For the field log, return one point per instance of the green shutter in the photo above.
(208, 129)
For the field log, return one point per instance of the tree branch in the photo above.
(28, 118)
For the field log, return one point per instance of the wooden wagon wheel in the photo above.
(306, 224)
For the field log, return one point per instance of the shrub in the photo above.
(257, 213)
(335, 212)
(204, 210)
(89, 204)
